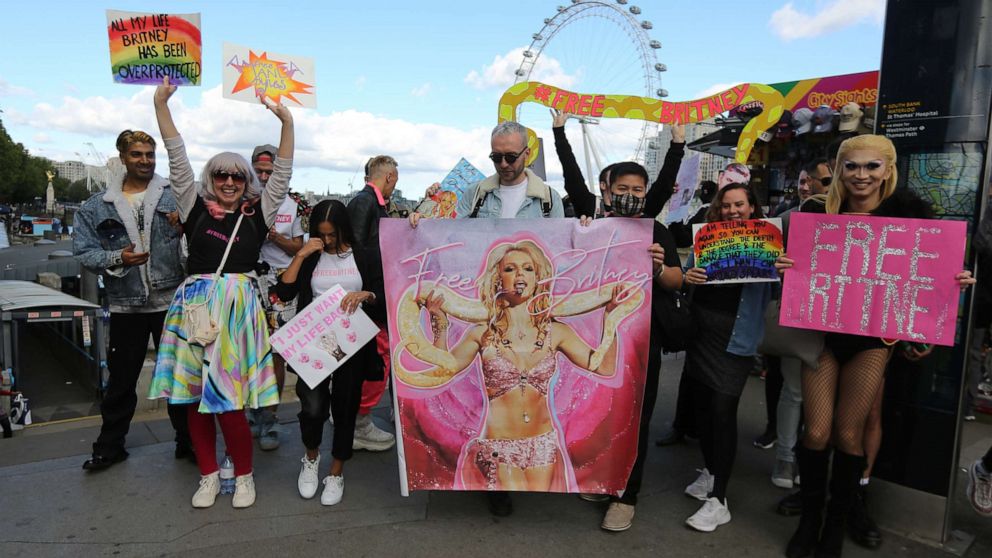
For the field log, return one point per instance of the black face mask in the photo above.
(627, 205)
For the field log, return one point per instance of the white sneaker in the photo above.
(701, 487)
(308, 481)
(333, 490)
(207, 493)
(244, 491)
(712, 515)
(370, 437)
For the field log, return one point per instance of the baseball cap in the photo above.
(266, 149)
(802, 121)
(850, 117)
(823, 119)
(783, 130)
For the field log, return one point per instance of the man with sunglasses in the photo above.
(514, 191)
(284, 240)
(129, 234)
(819, 175)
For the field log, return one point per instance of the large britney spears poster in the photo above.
(519, 350)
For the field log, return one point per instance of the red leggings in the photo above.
(372, 391)
(237, 438)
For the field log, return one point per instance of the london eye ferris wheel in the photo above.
(603, 47)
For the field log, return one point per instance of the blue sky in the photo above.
(396, 77)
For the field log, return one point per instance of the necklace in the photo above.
(524, 374)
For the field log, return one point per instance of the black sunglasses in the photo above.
(236, 177)
(510, 157)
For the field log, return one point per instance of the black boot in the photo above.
(812, 493)
(843, 483)
(862, 529)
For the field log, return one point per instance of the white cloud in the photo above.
(360, 82)
(42, 137)
(8, 89)
(501, 73)
(421, 90)
(340, 142)
(789, 23)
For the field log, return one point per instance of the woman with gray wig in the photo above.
(225, 224)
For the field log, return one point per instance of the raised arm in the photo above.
(463, 354)
(583, 201)
(664, 186)
(277, 188)
(180, 171)
(581, 354)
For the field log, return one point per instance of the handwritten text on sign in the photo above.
(249, 75)
(877, 276)
(144, 48)
(738, 251)
(321, 337)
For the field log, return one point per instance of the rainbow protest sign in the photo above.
(249, 75)
(738, 251)
(144, 48)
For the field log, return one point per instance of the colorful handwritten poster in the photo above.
(738, 251)
(519, 351)
(687, 181)
(250, 74)
(144, 48)
(442, 204)
(322, 336)
(876, 276)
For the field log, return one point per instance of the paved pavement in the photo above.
(50, 507)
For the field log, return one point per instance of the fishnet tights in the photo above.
(837, 399)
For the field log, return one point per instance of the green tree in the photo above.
(22, 176)
(78, 192)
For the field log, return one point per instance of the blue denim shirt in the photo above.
(105, 225)
(538, 193)
(749, 327)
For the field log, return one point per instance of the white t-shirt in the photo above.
(333, 269)
(157, 300)
(287, 224)
(512, 197)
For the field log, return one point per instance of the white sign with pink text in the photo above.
(322, 336)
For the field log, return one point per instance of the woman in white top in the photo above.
(332, 257)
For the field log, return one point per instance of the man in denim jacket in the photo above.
(130, 235)
(514, 191)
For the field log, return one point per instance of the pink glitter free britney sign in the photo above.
(876, 276)
(519, 350)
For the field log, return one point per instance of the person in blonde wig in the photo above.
(517, 339)
(839, 394)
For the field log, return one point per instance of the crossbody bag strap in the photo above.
(230, 242)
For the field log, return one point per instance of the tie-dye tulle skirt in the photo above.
(233, 372)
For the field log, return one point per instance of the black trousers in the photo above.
(716, 419)
(342, 401)
(773, 389)
(128, 346)
(685, 415)
(647, 409)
